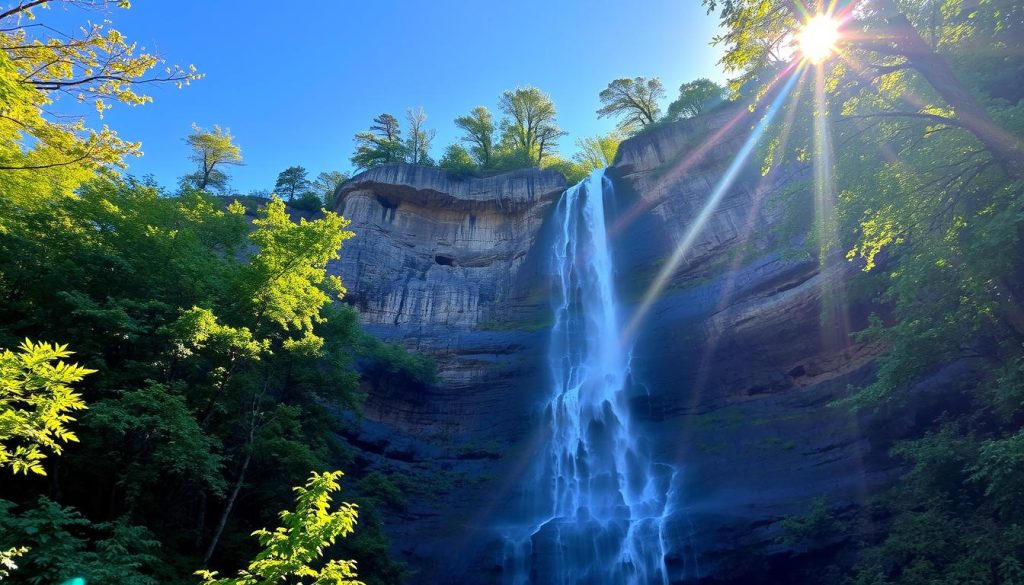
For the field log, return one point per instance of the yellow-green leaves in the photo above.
(35, 399)
(198, 328)
(42, 149)
(212, 150)
(286, 280)
(289, 549)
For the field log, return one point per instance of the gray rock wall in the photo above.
(734, 366)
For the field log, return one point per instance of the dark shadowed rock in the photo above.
(735, 365)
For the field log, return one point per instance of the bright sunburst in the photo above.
(818, 37)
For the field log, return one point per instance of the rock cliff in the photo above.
(734, 367)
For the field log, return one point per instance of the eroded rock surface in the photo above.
(735, 364)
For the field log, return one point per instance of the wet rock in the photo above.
(736, 361)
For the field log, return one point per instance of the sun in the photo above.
(818, 37)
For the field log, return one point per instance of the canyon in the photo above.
(735, 368)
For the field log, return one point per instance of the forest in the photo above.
(178, 363)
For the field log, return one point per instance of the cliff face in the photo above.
(734, 367)
(437, 251)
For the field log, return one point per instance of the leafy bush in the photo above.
(62, 544)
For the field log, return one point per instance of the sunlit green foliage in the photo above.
(457, 161)
(694, 98)
(633, 101)
(7, 560)
(212, 150)
(925, 113)
(595, 152)
(381, 144)
(478, 126)
(530, 129)
(35, 401)
(44, 149)
(289, 551)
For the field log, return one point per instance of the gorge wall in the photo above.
(733, 370)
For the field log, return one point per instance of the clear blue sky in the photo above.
(295, 83)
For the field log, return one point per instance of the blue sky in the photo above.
(295, 84)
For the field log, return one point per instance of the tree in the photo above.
(327, 183)
(292, 181)
(382, 144)
(60, 544)
(417, 145)
(46, 149)
(35, 397)
(634, 101)
(922, 190)
(206, 329)
(531, 127)
(479, 133)
(457, 160)
(694, 97)
(887, 46)
(291, 548)
(547, 141)
(212, 150)
(597, 152)
(39, 63)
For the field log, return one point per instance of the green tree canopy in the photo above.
(597, 152)
(633, 101)
(908, 130)
(381, 144)
(47, 148)
(478, 127)
(694, 97)
(292, 181)
(212, 150)
(457, 160)
(327, 183)
(530, 127)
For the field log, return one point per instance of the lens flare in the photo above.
(818, 37)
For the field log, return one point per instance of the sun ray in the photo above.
(692, 159)
(724, 183)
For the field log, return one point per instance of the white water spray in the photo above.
(597, 507)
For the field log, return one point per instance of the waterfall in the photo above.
(596, 507)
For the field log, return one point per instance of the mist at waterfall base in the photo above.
(595, 508)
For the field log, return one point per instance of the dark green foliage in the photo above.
(222, 363)
(382, 144)
(292, 182)
(389, 363)
(925, 110)
(63, 545)
(307, 202)
(819, 527)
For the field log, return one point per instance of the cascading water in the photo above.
(596, 507)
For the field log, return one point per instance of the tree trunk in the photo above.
(1006, 149)
(227, 508)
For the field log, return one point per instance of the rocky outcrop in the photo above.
(433, 250)
(736, 361)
